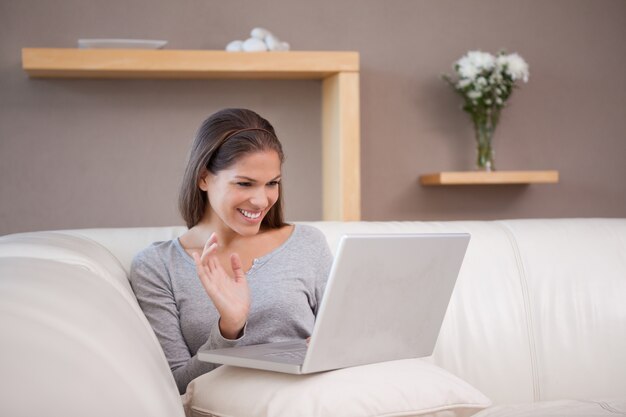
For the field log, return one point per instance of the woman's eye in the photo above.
(273, 183)
(243, 184)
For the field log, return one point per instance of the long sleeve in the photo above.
(150, 281)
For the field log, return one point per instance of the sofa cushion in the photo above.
(561, 408)
(573, 276)
(413, 387)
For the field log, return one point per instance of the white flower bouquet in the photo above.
(486, 82)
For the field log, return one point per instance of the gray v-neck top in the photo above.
(286, 287)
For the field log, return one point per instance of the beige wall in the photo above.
(87, 153)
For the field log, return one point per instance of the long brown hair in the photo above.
(221, 140)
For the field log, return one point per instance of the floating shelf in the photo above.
(181, 64)
(489, 178)
(338, 70)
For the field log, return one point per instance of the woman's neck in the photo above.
(225, 235)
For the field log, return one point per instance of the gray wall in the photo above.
(97, 153)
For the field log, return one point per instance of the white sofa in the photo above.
(537, 321)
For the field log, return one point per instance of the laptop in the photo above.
(385, 299)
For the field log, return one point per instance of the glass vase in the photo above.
(485, 152)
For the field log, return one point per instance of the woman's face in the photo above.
(240, 196)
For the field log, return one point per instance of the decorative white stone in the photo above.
(272, 42)
(235, 46)
(260, 33)
(260, 40)
(254, 45)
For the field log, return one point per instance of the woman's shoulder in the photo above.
(310, 236)
(152, 265)
(155, 251)
(312, 245)
(309, 231)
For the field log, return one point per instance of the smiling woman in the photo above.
(240, 275)
(221, 141)
(243, 194)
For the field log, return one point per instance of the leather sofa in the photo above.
(537, 321)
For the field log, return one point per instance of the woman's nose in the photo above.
(259, 198)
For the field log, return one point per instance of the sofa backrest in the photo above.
(537, 313)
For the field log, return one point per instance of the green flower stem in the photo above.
(485, 122)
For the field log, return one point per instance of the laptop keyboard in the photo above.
(288, 354)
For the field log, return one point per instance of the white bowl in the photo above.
(121, 43)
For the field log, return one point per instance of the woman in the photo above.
(240, 275)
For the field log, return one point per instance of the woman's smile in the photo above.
(241, 196)
(252, 216)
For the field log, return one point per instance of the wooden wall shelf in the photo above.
(339, 72)
(489, 178)
(181, 64)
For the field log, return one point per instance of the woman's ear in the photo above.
(203, 182)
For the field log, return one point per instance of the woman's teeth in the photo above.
(250, 215)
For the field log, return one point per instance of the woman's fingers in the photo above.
(203, 273)
(230, 295)
(235, 263)
(206, 264)
(214, 264)
(216, 281)
(209, 247)
(208, 252)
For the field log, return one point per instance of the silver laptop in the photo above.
(385, 300)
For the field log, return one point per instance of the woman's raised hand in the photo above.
(230, 295)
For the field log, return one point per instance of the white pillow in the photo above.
(412, 387)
